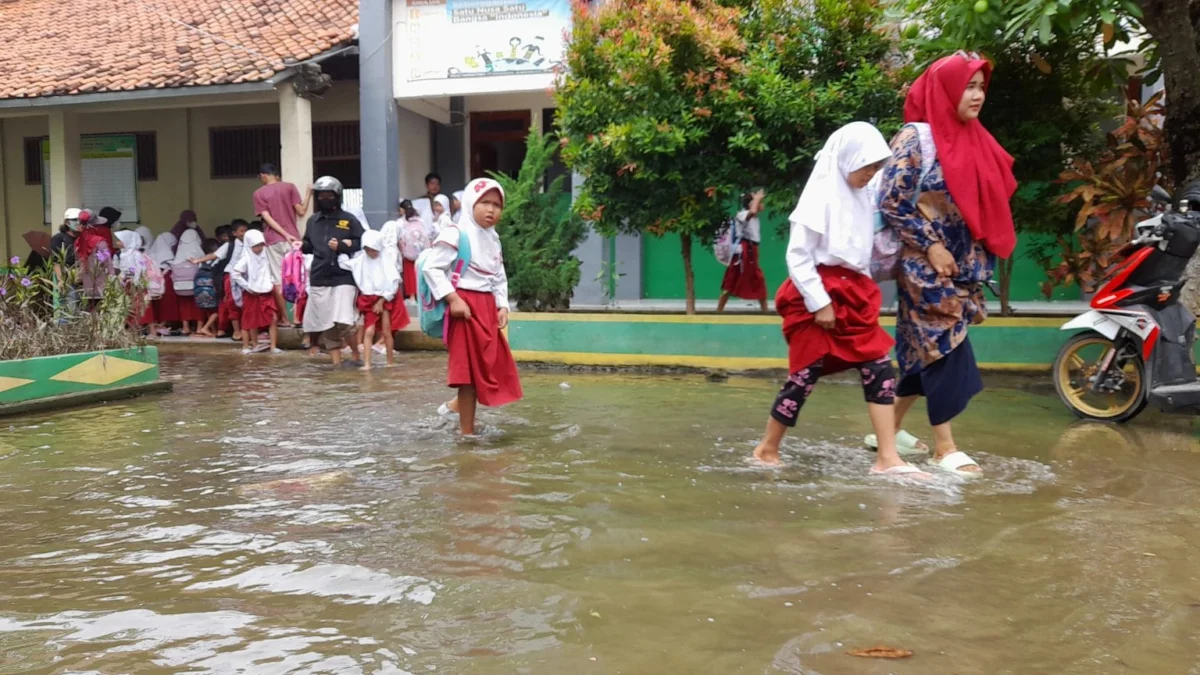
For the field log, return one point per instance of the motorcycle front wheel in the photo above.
(1120, 393)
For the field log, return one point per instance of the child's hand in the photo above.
(378, 308)
(459, 308)
(502, 317)
(826, 318)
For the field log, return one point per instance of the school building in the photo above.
(158, 106)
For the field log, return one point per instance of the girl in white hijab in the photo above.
(481, 365)
(146, 235)
(829, 303)
(130, 254)
(441, 215)
(166, 307)
(252, 273)
(456, 206)
(134, 267)
(183, 274)
(379, 300)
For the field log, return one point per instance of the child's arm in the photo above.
(345, 262)
(500, 288)
(238, 274)
(437, 263)
(802, 267)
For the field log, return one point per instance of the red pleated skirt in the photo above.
(259, 311)
(857, 337)
(744, 278)
(228, 311)
(188, 311)
(409, 278)
(166, 308)
(479, 353)
(298, 309)
(398, 313)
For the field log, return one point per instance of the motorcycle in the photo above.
(1134, 347)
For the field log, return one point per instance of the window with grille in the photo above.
(238, 152)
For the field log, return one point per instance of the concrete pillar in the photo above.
(450, 147)
(66, 182)
(378, 114)
(295, 139)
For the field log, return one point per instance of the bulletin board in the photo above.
(108, 166)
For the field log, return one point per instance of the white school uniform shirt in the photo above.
(238, 247)
(748, 228)
(253, 272)
(372, 276)
(834, 224)
(486, 271)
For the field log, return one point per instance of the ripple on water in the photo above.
(350, 584)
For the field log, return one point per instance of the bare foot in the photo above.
(767, 455)
(314, 351)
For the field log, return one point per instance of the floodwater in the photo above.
(275, 516)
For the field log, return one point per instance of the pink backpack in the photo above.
(413, 239)
(155, 283)
(295, 275)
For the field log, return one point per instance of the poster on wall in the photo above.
(108, 166)
(477, 38)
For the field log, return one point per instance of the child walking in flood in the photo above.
(481, 365)
(380, 302)
(259, 310)
(829, 303)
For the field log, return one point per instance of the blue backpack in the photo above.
(432, 313)
(205, 290)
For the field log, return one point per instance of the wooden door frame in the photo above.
(477, 136)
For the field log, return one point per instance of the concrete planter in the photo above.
(50, 382)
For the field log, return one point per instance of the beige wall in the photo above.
(184, 176)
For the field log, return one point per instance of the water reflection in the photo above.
(310, 520)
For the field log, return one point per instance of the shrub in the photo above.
(540, 232)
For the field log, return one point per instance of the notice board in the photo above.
(108, 167)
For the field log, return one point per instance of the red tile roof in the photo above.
(62, 47)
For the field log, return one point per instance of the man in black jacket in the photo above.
(331, 314)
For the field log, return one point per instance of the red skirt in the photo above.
(479, 353)
(228, 311)
(166, 308)
(744, 278)
(188, 311)
(409, 278)
(398, 312)
(298, 309)
(259, 310)
(147, 317)
(857, 336)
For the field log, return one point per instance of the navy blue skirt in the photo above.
(947, 384)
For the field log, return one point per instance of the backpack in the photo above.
(294, 275)
(218, 269)
(885, 252)
(182, 277)
(204, 287)
(155, 283)
(432, 313)
(414, 239)
(726, 245)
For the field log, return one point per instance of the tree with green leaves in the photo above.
(540, 231)
(672, 108)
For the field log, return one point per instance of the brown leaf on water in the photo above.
(881, 652)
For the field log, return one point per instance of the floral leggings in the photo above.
(878, 381)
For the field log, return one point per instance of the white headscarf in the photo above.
(189, 247)
(146, 235)
(454, 216)
(842, 215)
(257, 266)
(373, 276)
(162, 250)
(486, 255)
(130, 256)
(390, 241)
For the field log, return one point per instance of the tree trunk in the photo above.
(1006, 268)
(1178, 36)
(689, 279)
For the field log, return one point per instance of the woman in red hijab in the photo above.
(94, 250)
(947, 192)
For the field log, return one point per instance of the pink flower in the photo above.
(26, 282)
(15, 260)
(3, 291)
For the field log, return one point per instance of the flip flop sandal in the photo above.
(902, 471)
(954, 462)
(906, 444)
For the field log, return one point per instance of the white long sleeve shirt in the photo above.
(748, 227)
(439, 260)
(806, 250)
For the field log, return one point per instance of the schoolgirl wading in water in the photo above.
(829, 303)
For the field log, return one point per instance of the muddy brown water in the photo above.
(274, 516)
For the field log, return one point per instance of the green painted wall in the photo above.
(662, 267)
